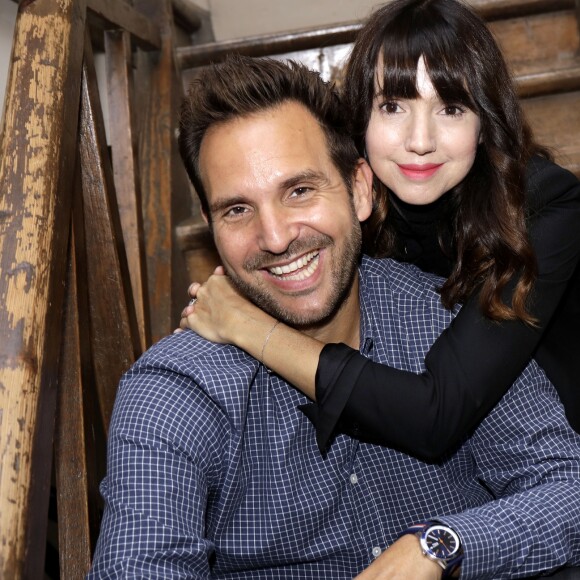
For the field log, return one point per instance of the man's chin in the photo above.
(301, 318)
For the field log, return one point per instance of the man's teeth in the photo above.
(310, 260)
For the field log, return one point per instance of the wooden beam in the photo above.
(114, 334)
(268, 44)
(124, 144)
(189, 14)
(74, 448)
(108, 14)
(164, 185)
(496, 9)
(320, 37)
(37, 154)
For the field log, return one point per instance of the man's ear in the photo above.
(362, 190)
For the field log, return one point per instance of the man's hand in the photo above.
(403, 560)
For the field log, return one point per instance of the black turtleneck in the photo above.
(419, 229)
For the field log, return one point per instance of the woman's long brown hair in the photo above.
(490, 245)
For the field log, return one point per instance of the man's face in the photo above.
(284, 223)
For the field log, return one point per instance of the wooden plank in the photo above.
(497, 9)
(196, 243)
(109, 14)
(313, 38)
(560, 129)
(190, 14)
(37, 151)
(549, 81)
(532, 41)
(124, 143)
(114, 333)
(73, 449)
(164, 185)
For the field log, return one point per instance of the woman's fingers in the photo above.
(193, 288)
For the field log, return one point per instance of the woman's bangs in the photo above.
(450, 81)
(399, 75)
(399, 78)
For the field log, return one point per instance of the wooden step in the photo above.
(317, 37)
(555, 120)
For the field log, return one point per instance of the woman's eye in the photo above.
(390, 107)
(453, 110)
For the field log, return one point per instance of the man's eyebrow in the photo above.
(222, 204)
(309, 175)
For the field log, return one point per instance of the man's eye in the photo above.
(300, 191)
(238, 210)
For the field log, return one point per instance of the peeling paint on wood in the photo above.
(38, 139)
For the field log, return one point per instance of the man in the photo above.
(213, 471)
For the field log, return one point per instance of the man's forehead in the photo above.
(272, 146)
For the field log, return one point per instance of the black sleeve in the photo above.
(471, 365)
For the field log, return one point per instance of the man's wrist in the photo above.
(440, 544)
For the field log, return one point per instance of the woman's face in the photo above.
(420, 148)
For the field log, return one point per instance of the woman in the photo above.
(501, 228)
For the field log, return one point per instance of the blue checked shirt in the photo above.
(213, 472)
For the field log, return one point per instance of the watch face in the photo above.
(440, 542)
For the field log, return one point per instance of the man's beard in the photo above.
(343, 270)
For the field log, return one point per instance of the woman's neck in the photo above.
(426, 213)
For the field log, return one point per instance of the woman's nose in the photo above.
(421, 135)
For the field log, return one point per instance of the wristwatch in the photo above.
(439, 543)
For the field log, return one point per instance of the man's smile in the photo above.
(299, 269)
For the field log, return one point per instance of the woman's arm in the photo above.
(473, 363)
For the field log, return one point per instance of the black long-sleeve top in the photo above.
(473, 363)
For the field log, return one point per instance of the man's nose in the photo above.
(421, 135)
(278, 228)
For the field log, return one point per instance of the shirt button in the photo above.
(354, 479)
(376, 552)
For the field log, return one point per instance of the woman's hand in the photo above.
(222, 315)
(219, 312)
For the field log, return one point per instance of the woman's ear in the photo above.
(362, 190)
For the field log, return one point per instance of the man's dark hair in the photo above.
(241, 86)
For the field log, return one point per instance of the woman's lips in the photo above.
(419, 171)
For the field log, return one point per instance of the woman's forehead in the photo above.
(423, 83)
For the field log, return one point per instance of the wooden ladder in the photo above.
(88, 264)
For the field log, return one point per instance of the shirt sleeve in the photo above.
(472, 364)
(533, 471)
(162, 458)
